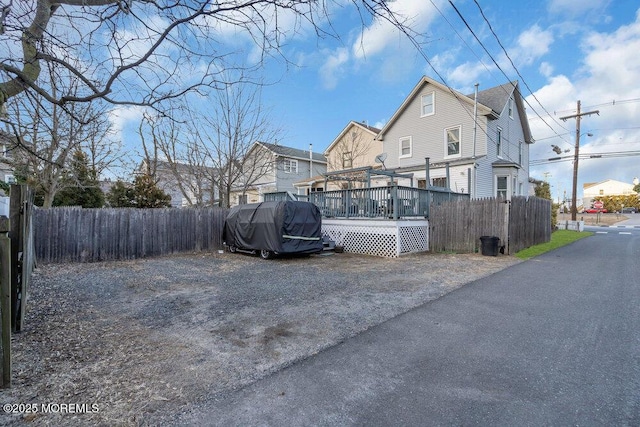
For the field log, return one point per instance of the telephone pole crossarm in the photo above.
(573, 116)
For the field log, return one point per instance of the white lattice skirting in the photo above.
(376, 237)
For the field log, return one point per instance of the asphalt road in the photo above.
(551, 341)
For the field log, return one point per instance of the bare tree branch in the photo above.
(146, 52)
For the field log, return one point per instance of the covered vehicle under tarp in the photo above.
(283, 227)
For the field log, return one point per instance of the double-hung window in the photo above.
(347, 160)
(427, 104)
(520, 154)
(290, 166)
(499, 142)
(510, 108)
(502, 183)
(405, 147)
(452, 142)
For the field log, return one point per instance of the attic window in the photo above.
(510, 106)
(427, 103)
(347, 160)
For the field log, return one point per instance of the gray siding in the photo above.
(284, 180)
(428, 133)
(428, 140)
(512, 136)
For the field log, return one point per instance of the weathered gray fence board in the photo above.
(86, 235)
(458, 225)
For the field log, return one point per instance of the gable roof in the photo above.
(491, 102)
(482, 109)
(294, 153)
(496, 97)
(613, 181)
(372, 130)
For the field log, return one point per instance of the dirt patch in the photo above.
(134, 343)
(595, 219)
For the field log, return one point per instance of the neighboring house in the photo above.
(6, 170)
(187, 185)
(355, 147)
(487, 157)
(269, 168)
(609, 187)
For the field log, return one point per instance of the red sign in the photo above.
(598, 204)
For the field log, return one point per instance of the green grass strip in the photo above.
(559, 238)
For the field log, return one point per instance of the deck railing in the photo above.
(391, 202)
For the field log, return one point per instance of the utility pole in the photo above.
(574, 192)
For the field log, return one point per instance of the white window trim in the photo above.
(446, 143)
(405, 138)
(520, 153)
(495, 188)
(510, 107)
(10, 179)
(347, 155)
(293, 165)
(433, 104)
(499, 148)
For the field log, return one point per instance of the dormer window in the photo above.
(427, 103)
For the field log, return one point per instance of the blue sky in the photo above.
(563, 51)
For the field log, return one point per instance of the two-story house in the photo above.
(187, 185)
(478, 144)
(354, 148)
(269, 168)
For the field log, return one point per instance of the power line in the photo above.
(498, 65)
(511, 62)
(612, 103)
(585, 156)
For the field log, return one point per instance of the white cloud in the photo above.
(466, 74)
(381, 34)
(546, 69)
(532, 43)
(333, 67)
(123, 117)
(608, 73)
(573, 7)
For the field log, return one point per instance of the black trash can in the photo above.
(489, 245)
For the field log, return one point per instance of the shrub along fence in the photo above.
(519, 223)
(86, 235)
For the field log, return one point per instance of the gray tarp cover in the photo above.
(282, 227)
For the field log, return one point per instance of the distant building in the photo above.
(187, 185)
(269, 168)
(608, 187)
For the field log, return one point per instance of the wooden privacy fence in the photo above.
(519, 223)
(87, 235)
(16, 266)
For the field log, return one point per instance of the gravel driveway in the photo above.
(138, 342)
